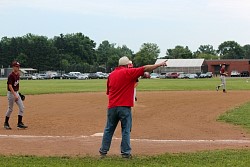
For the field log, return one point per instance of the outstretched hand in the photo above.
(164, 63)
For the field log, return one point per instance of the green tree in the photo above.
(179, 52)
(206, 56)
(246, 49)
(230, 50)
(76, 47)
(41, 53)
(77, 44)
(104, 51)
(148, 54)
(9, 50)
(125, 51)
(206, 52)
(23, 59)
(207, 49)
(108, 55)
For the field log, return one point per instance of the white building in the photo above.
(181, 65)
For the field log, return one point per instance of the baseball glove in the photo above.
(22, 96)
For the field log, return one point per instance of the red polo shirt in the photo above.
(120, 86)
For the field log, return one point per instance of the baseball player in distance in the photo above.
(223, 75)
(13, 97)
(130, 65)
(120, 91)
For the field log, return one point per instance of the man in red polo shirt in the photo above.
(120, 91)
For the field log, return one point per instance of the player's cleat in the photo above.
(21, 126)
(217, 88)
(127, 156)
(102, 156)
(7, 126)
(224, 91)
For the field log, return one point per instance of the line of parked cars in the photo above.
(178, 75)
(74, 75)
(235, 73)
(100, 75)
(70, 75)
(175, 75)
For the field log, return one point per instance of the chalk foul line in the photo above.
(217, 141)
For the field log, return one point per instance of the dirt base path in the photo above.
(167, 121)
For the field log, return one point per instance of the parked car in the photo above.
(183, 76)
(100, 75)
(74, 74)
(163, 75)
(69, 76)
(244, 74)
(28, 77)
(192, 76)
(83, 76)
(93, 76)
(42, 76)
(146, 75)
(235, 73)
(154, 75)
(203, 75)
(105, 75)
(58, 76)
(209, 74)
(172, 75)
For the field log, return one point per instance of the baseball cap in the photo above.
(123, 61)
(15, 63)
(130, 64)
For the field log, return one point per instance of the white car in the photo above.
(33, 77)
(192, 76)
(83, 76)
(235, 73)
(183, 76)
(41, 76)
(154, 75)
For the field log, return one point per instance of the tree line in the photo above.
(77, 52)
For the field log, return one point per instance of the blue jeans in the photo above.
(114, 115)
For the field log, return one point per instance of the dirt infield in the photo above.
(167, 121)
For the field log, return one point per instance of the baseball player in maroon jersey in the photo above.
(13, 97)
(223, 75)
(130, 65)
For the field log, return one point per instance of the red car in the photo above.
(173, 75)
(146, 75)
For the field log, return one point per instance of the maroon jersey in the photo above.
(222, 71)
(13, 79)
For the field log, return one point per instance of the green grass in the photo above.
(56, 86)
(66, 86)
(238, 116)
(239, 158)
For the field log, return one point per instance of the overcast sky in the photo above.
(131, 22)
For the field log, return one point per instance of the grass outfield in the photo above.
(238, 116)
(66, 86)
(239, 158)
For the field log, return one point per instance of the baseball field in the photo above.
(175, 123)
